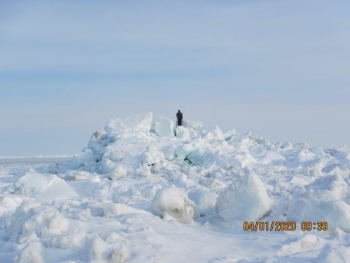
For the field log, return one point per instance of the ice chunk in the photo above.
(181, 153)
(227, 161)
(287, 146)
(196, 125)
(117, 172)
(81, 159)
(9, 202)
(164, 127)
(133, 126)
(262, 141)
(251, 136)
(106, 166)
(228, 135)
(301, 146)
(245, 200)
(204, 200)
(174, 203)
(316, 150)
(169, 152)
(194, 134)
(44, 187)
(336, 213)
(216, 134)
(201, 155)
(246, 159)
(340, 151)
(303, 155)
(183, 133)
(184, 150)
(151, 156)
(98, 141)
(144, 170)
(116, 156)
(211, 183)
(272, 156)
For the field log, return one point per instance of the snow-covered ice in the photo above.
(245, 200)
(143, 190)
(174, 203)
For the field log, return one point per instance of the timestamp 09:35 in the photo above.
(284, 226)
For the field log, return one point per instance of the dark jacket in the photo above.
(179, 115)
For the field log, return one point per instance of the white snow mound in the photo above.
(173, 203)
(338, 254)
(114, 210)
(335, 213)
(245, 200)
(118, 172)
(44, 187)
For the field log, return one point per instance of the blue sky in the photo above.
(279, 69)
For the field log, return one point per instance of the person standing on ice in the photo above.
(179, 118)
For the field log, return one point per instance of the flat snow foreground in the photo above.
(144, 190)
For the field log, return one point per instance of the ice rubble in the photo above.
(134, 126)
(131, 146)
(136, 172)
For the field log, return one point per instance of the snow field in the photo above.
(143, 191)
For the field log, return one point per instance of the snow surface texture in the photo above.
(145, 191)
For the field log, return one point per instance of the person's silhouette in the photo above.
(179, 118)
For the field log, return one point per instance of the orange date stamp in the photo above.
(285, 226)
(270, 226)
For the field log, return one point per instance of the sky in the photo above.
(279, 69)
